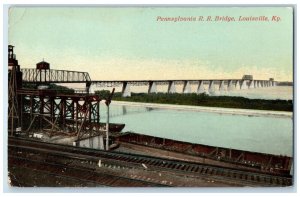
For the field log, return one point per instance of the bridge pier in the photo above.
(126, 90)
(171, 87)
(152, 87)
(87, 87)
(211, 88)
(237, 84)
(200, 88)
(243, 84)
(251, 84)
(258, 84)
(230, 85)
(186, 87)
(222, 86)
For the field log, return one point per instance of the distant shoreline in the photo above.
(233, 111)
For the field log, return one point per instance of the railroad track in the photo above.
(152, 163)
(81, 175)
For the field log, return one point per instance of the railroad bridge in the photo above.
(212, 84)
(74, 114)
(42, 74)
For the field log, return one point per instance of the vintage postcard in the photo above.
(150, 96)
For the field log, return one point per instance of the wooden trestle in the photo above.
(49, 111)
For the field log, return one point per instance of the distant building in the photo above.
(247, 77)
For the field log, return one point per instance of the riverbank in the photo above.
(233, 111)
(206, 100)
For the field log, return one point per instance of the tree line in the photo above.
(203, 100)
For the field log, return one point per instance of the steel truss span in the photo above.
(32, 75)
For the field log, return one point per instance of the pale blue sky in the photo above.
(129, 43)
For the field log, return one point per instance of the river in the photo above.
(262, 131)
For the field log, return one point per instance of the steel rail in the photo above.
(86, 174)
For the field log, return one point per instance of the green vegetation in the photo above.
(103, 93)
(209, 101)
(59, 89)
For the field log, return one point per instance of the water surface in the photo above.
(253, 133)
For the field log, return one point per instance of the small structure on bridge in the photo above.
(43, 68)
(43, 65)
(247, 77)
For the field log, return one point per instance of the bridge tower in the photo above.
(42, 73)
(14, 83)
